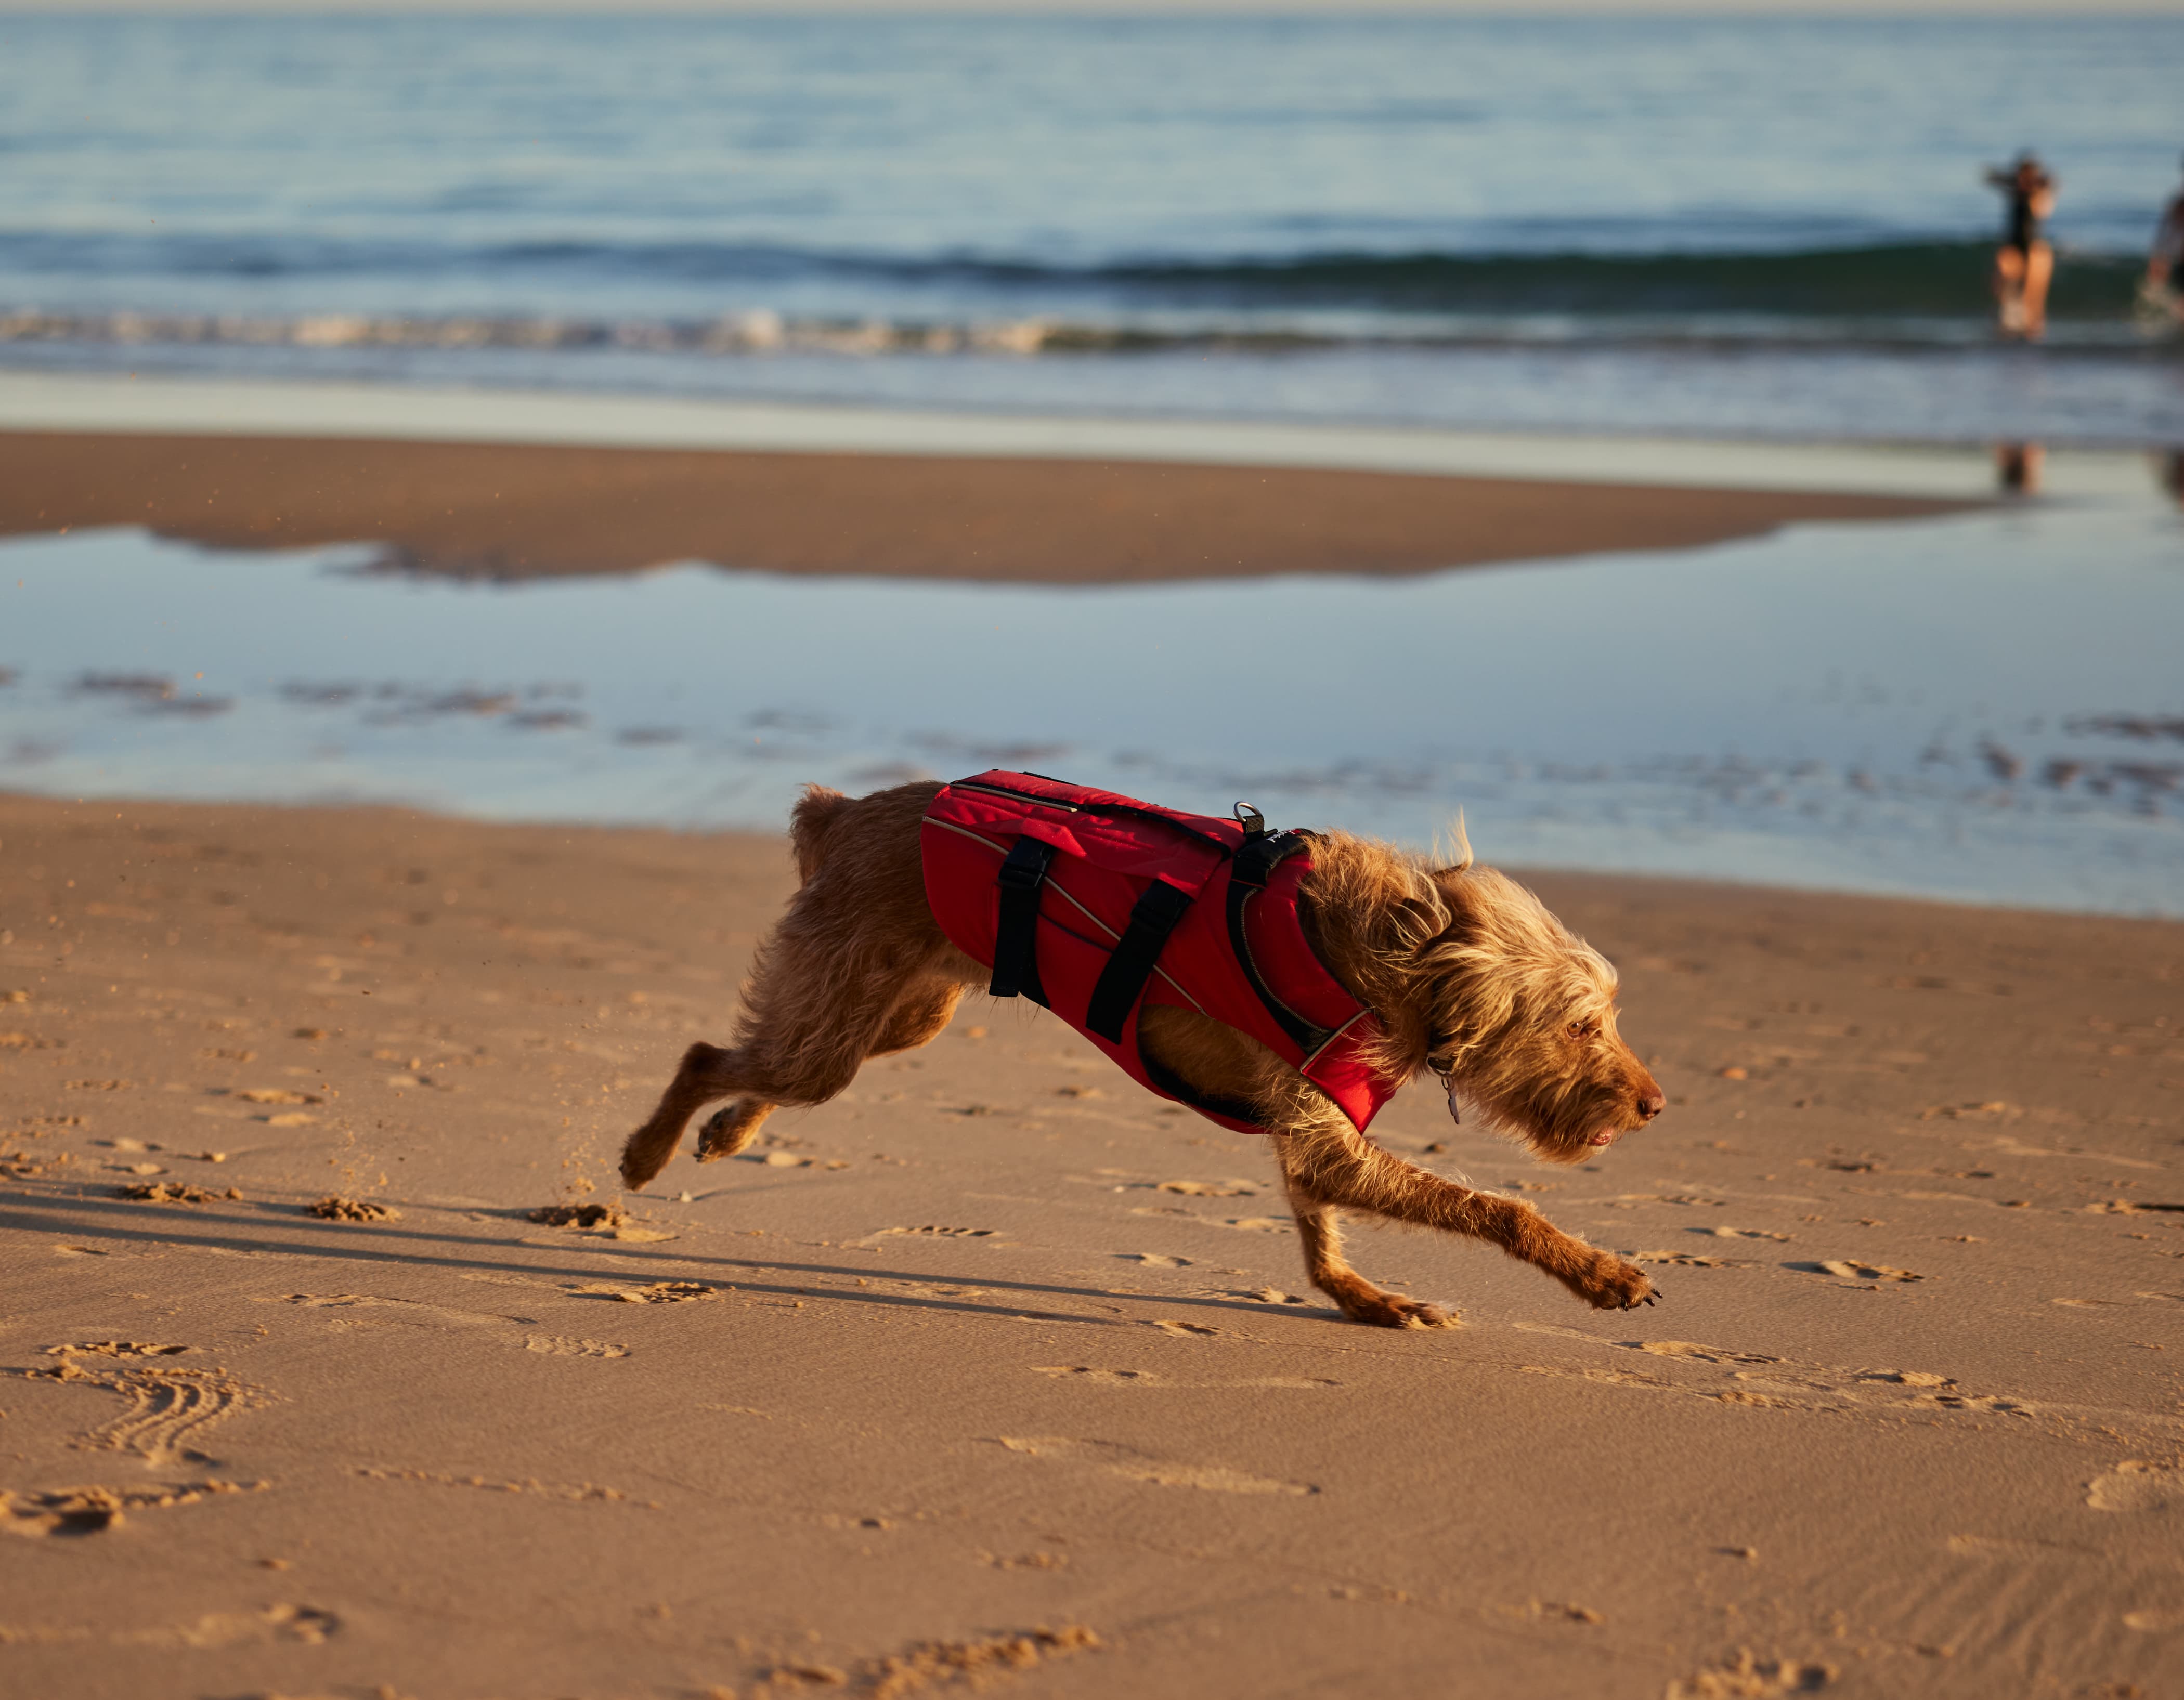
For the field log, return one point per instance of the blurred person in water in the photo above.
(2159, 297)
(2025, 263)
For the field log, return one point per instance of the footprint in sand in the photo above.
(1747, 1678)
(1086, 1374)
(1261, 1224)
(574, 1493)
(1155, 1260)
(2136, 1484)
(306, 1624)
(167, 1406)
(91, 1510)
(562, 1346)
(410, 1310)
(1704, 1354)
(1851, 1268)
(1183, 1330)
(658, 1292)
(1212, 1189)
(1114, 1459)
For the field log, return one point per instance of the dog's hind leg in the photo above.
(804, 1032)
(918, 1015)
(925, 1007)
(857, 966)
(1328, 1164)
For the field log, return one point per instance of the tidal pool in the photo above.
(1987, 707)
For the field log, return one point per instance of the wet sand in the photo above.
(994, 1345)
(523, 510)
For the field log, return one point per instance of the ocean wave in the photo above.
(764, 331)
(1899, 280)
(1936, 280)
(761, 331)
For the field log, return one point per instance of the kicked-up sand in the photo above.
(999, 1372)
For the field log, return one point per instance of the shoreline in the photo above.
(990, 1342)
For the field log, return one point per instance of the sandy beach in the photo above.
(527, 510)
(995, 1370)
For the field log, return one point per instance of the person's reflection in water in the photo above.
(2018, 467)
(2171, 466)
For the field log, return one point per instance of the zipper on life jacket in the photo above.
(1112, 810)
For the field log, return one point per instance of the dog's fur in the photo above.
(1470, 976)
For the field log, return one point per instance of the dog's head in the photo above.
(1519, 1018)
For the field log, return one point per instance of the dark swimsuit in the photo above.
(2024, 229)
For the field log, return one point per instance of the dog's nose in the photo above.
(1651, 1103)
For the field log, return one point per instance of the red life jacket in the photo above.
(1094, 905)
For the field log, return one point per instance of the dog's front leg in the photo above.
(1328, 1163)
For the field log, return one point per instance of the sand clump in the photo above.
(174, 1192)
(334, 1207)
(665, 1292)
(577, 1215)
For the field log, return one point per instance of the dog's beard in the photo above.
(1573, 1126)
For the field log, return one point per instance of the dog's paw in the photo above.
(1611, 1283)
(1393, 1310)
(640, 1160)
(729, 1131)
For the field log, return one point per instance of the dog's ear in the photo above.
(1458, 920)
(1455, 843)
(1415, 924)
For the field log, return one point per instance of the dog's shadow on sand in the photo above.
(93, 1218)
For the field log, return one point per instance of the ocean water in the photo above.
(1984, 708)
(1755, 227)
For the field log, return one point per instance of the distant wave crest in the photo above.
(1938, 280)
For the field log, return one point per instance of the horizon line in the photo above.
(1088, 10)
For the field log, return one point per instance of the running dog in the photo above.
(1464, 973)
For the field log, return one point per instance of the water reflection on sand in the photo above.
(1989, 707)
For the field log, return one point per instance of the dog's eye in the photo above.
(1583, 1030)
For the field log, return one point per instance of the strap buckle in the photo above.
(1253, 823)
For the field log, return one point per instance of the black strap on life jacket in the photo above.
(1255, 864)
(1016, 937)
(1153, 917)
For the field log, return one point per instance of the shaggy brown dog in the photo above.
(1470, 976)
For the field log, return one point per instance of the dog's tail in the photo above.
(809, 824)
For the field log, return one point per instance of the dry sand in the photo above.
(995, 1344)
(529, 509)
